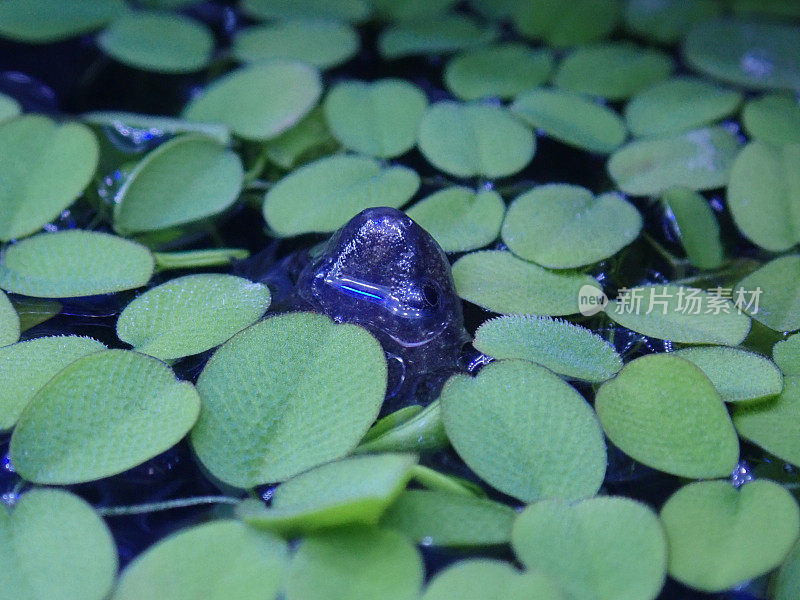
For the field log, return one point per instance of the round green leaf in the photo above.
(433, 36)
(103, 414)
(9, 322)
(562, 347)
(750, 53)
(607, 548)
(566, 24)
(191, 314)
(460, 219)
(774, 290)
(525, 432)
(160, 42)
(380, 118)
(764, 195)
(321, 43)
(489, 580)
(563, 226)
(786, 354)
(614, 70)
(289, 393)
(774, 119)
(27, 366)
(666, 21)
(353, 490)
(679, 104)
(146, 127)
(323, 195)
(787, 581)
(736, 374)
(435, 518)
(697, 227)
(213, 561)
(9, 108)
(505, 284)
(664, 412)
(43, 21)
(74, 263)
(44, 166)
(355, 564)
(54, 546)
(571, 118)
(184, 180)
(259, 102)
(699, 160)
(351, 11)
(720, 536)
(501, 71)
(307, 140)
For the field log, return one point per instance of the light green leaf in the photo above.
(720, 536)
(9, 107)
(378, 118)
(566, 24)
(213, 561)
(607, 548)
(771, 295)
(9, 321)
(287, 394)
(103, 414)
(774, 119)
(786, 355)
(469, 140)
(433, 36)
(191, 314)
(323, 195)
(787, 580)
(697, 227)
(307, 140)
(505, 284)
(418, 432)
(54, 546)
(664, 412)
(460, 219)
(562, 347)
(259, 102)
(74, 263)
(699, 160)
(667, 21)
(525, 432)
(410, 10)
(139, 126)
(27, 366)
(351, 11)
(44, 166)
(489, 580)
(43, 21)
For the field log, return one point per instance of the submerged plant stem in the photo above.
(138, 509)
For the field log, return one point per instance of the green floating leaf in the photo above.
(679, 104)
(54, 546)
(287, 394)
(433, 36)
(697, 227)
(562, 226)
(345, 492)
(562, 347)
(460, 219)
(160, 42)
(607, 548)
(27, 366)
(419, 431)
(764, 195)
(664, 412)
(699, 160)
(470, 140)
(772, 423)
(410, 10)
(667, 21)
(259, 102)
(501, 71)
(44, 166)
(720, 536)
(437, 518)
(355, 564)
(566, 24)
(615, 71)
(43, 21)
(321, 43)
(155, 126)
(503, 283)
(307, 140)
(9, 108)
(786, 355)
(65, 435)
(9, 323)
(774, 119)
(194, 259)
(191, 314)
(350, 11)
(213, 561)
(184, 180)
(489, 580)
(736, 374)
(33, 311)
(786, 584)
(73, 263)
(378, 118)
(772, 293)
(525, 432)
(572, 119)
(750, 53)
(323, 195)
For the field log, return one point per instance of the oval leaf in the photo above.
(42, 21)
(697, 226)
(489, 580)
(771, 295)
(774, 119)
(433, 36)
(9, 322)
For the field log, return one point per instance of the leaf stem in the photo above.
(138, 509)
(192, 259)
